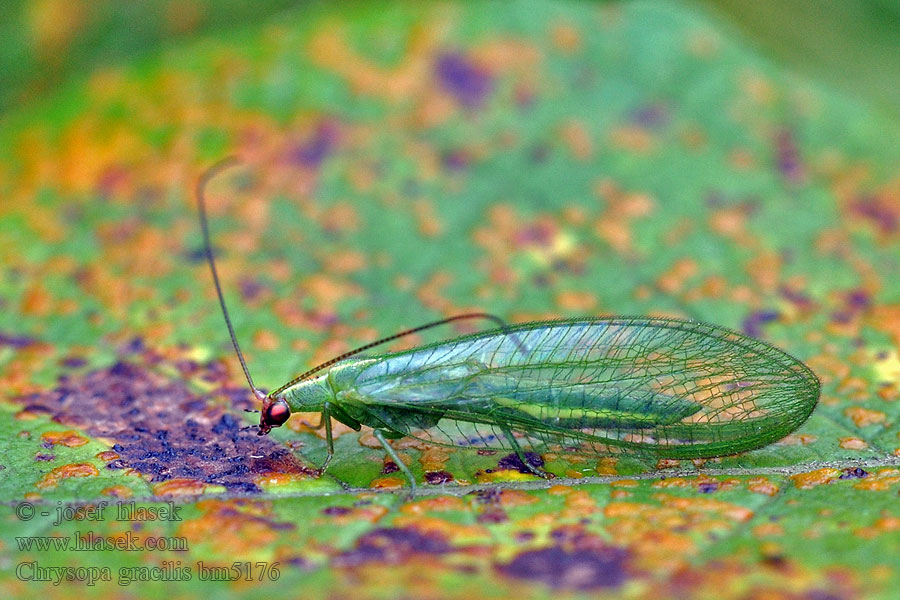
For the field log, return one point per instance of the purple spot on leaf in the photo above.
(752, 325)
(466, 82)
(652, 116)
(513, 463)
(438, 477)
(561, 568)
(250, 289)
(796, 298)
(392, 546)
(880, 213)
(858, 300)
(493, 515)
(788, 157)
(315, 150)
(15, 341)
(854, 473)
(456, 160)
(336, 511)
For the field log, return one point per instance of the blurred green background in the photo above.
(852, 44)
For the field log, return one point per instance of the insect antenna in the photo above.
(207, 245)
(401, 334)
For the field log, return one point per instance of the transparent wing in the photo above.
(659, 386)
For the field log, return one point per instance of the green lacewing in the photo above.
(665, 388)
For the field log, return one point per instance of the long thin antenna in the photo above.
(390, 338)
(201, 202)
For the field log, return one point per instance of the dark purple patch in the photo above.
(134, 346)
(539, 234)
(392, 546)
(15, 341)
(315, 150)
(854, 473)
(466, 82)
(438, 477)
(336, 511)
(652, 117)
(250, 288)
(493, 515)
(560, 568)
(161, 428)
(512, 462)
(707, 487)
(881, 214)
(574, 536)
(456, 160)
(488, 496)
(858, 300)
(36, 408)
(752, 325)
(796, 298)
(301, 563)
(539, 153)
(841, 316)
(389, 467)
(44, 457)
(821, 595)
(73, 362)
(324, 320)
(788, 157)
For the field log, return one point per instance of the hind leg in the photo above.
(400, 464)
(511, 440)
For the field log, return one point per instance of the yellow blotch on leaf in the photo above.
(863, 417)
(762, 485)
(181, 487)
(853, 443)
(880, 481)
(436, 504)
(566, 37)
(806, 481)
(52, 479)
(387, 483)
(69, 438)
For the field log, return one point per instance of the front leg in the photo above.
(329, 438)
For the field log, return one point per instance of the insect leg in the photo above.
(522, 457)
(400, 464)
(329, 439)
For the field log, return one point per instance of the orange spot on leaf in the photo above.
(52, 479)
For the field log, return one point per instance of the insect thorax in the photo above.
(311, 394)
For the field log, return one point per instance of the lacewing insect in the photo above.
(663, 388)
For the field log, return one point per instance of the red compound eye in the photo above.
(277, 413)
